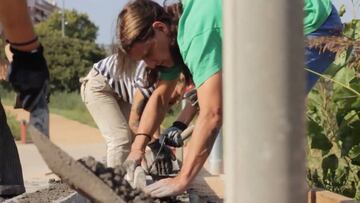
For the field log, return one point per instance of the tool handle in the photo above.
(187, 132)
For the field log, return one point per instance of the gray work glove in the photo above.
(172, 135)
(132, 161)
(191, 96)
(160, 159)
(28, 75)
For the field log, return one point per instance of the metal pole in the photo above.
(264, 95)
(63, 18)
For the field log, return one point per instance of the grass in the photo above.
(7, 96)
(171, 116)
(14, 125)
(70, 105)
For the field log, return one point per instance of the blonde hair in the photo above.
(134, 23)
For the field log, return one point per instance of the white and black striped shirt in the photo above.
(124, 85)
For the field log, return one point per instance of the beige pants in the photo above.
(111, 115)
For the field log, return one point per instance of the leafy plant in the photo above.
(333, 116)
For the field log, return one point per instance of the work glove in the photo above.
(191, 96)
(166, 187)
(160, 159)
(172, 135)
(28, 76)
(133, 160)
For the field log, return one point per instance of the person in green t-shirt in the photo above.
(188, 36)
(321, 19)
(167, 41)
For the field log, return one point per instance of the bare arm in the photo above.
(154, 113)
(137, 109)
(206, 128)
(17, 24)
(187, 114)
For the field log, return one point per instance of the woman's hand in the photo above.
(166, 187)
(133, 160)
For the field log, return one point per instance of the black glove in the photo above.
(163, 159)
(172, 135)
(28, 75)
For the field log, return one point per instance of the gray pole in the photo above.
(63, 18)
(264, 95)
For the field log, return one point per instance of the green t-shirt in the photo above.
(200, 36)
(316, 13)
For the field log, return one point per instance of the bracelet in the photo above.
(22, 43)
(143, 134)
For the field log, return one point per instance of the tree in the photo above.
(77, 25)
(70, 57)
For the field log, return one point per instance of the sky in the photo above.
(104, 13)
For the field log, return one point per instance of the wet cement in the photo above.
(114, 178)
(55, 191)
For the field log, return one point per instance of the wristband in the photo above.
(143, 134)
(23, 43)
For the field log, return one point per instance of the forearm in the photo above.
(154, 113)
(137, 109)
(187, 114)
(206, 128)
(16, 23)
(202, 140)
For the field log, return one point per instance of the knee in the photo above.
(119, 141)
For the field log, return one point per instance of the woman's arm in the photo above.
(187, 114)
(154, 113)
(206, 128)
(172, 135)
(202, 140)
(17, 27)
(137, 109)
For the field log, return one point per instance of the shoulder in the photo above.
(108, 61)
(197, 19)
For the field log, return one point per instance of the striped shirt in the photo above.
(124, 85)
